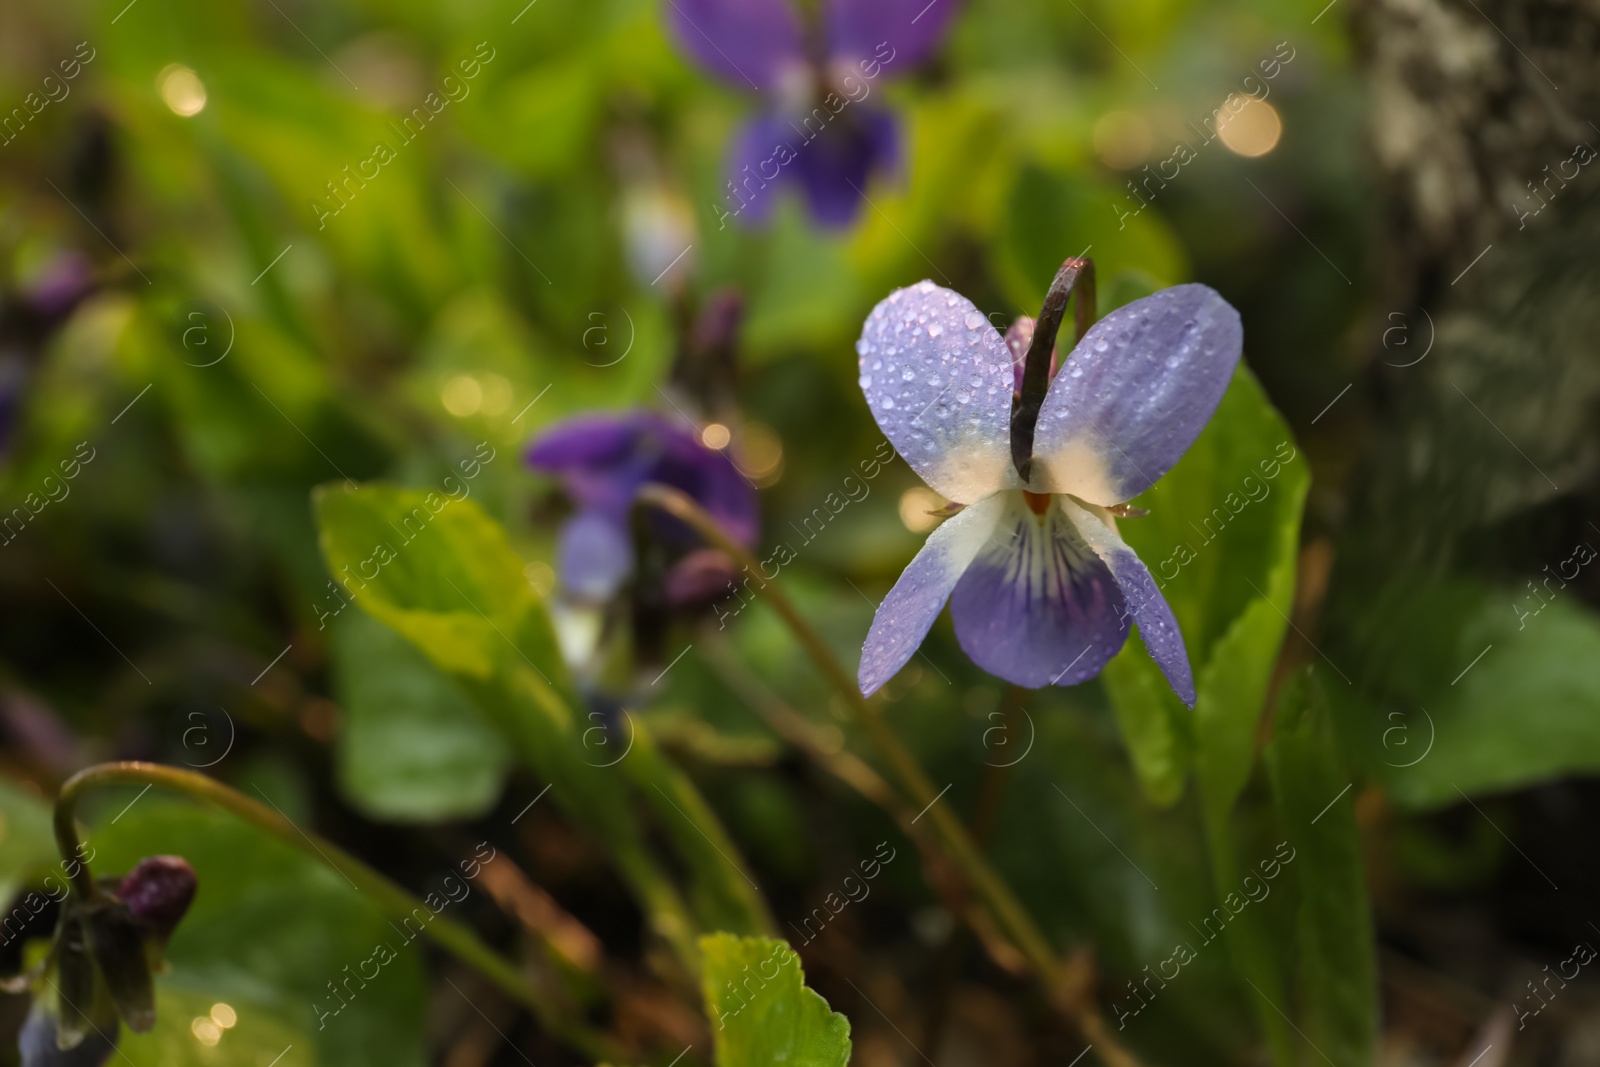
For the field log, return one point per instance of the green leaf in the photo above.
(444, 576)
(1466, 687)
(1332, 939)
(436, 570)
(414, 747)
(761, 1010)
(247, 883)
(186, 1033)
(1221, 539)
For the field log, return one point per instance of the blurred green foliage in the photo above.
(512, 265)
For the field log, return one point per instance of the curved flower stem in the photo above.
(1075, 275)
(455, 938)
(1066, 986)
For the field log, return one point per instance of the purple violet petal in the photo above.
(1148, 609)
(838, 161)
(1135, 393)
(38, 1045)
(759, 166)
(586, 442)
(595, 556)
(1037, 607)
(750, 43)
(937, 377)
(907, 613)
(899, 34)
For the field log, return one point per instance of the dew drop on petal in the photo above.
(866, 381)
(934, 329)
(974, 320)
(888, 403)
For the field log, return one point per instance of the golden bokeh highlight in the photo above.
(181, 89)
(224, 1016)
(716, 436)
(1248, 126)
(497, 394)
(759, 453)
(541, 576)
(915, 505)
(1123, 139)
(205, 1031)
(462, 395)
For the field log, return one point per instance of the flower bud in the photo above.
(157, 892)
(117, 945)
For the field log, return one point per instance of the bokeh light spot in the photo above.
(1123, 139)
(716, 436)
(181, 89)
(541, 576)
(205, 1031)
(497, 394)
(759, 453)
(915, 504)
(1249, 127)
(462, 395)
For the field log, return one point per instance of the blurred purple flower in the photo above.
(27, 319)
(1042, 588)
(816, 132)
(602, 460)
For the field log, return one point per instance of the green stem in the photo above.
(1065, 986)
(455, 938)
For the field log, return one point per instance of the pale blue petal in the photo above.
(595, 555)
(907, 613)
(937, 377)
(1134, 395)
(1144, 603)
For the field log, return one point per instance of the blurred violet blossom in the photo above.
(1041, 586)
(28, 317)
(815, 132)
(602, 460)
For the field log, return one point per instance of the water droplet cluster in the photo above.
(935, 373)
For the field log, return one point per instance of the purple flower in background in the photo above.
(817, 132)
(28, 318)
(1041, 586)
(602, 460)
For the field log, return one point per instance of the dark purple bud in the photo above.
(698, 578)
(157, 892)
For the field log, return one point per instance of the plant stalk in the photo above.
(455, 938)
(1066, 987)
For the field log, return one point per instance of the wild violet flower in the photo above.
(602, 460)
(98, 973)
(816, 132)
(1041, 586)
